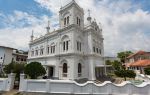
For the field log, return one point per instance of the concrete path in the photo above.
(12, 92)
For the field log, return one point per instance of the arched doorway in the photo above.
(65, 69)
(50, 71)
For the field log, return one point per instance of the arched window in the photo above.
(53, 48)
(65, 43)
(41, 50)
(48, 49)
(68, 20)
(79, 69)
(65, 69)
(77, 20)
(36, 51)
(64, 21)
(32, 52)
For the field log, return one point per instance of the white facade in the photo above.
(72, 52)
(5, 55)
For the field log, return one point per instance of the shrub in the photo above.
(125, 73)
(34, 69)
(14, 67)
(147, 71)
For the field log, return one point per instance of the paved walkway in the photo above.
(12, 92)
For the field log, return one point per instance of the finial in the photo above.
(32, 32)
(60, 4)
(48, 27)
(100, 26)
(32, 36)
(89, 17)
(89, 13)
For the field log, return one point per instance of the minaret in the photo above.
(48, 27)
(32, 36)
(89, 17)
(100, 27)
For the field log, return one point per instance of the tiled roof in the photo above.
(140, 63)
(138, 53)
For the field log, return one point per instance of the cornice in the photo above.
(51, 34)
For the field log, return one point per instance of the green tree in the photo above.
(9, 68)
(14, 67)
(18, 69)
(117, 65)
(123, 55)
(130, 74)
(34, 69)
(120, 71)
(125, 73)
(108, 62)
(147, 71)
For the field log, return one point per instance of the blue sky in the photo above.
(129, 20)
(7, 7)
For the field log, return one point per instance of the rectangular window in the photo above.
(100, 51)
(97, 50)
(77, 45)
(36, 52)
(93, 49)
(53, 49)
(64, 21)
(80, 46)
(32, 53)
(48, 50)
(79, 22)
(68, 20)
(66, 45)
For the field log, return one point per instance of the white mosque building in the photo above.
(75, 50)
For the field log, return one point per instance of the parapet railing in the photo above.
(72, 87)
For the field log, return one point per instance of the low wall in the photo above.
(71, 87)
(6, 84)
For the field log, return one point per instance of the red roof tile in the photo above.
(140, 63)
(138, 53)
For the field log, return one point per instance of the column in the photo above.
(91, 69)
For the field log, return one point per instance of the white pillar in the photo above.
(10, 81)
(21, 85)
(91, 69)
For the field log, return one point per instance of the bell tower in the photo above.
(70, 14)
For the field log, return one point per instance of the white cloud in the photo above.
(16, 35)
(125, 25)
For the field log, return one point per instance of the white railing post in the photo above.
(109, 88)
(129, 88)
(48, 90)
(10, 81)
(21, 84)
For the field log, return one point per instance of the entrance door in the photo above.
(50, 72)
(99, 72)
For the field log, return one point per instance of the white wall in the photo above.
(2, 52)
(6, 84)
(7, 53)
(71, 87)
(8, 56)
